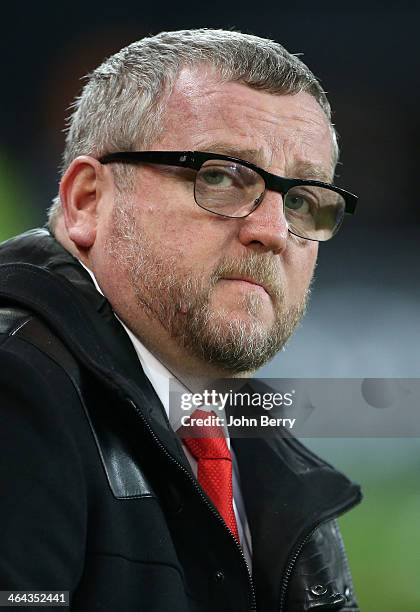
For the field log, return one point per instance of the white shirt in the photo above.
(160, 378)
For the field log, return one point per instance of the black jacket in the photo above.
(98, 497)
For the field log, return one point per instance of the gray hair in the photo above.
(122, 104)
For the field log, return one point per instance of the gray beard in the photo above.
(180, 300)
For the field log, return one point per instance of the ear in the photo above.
(81, 189)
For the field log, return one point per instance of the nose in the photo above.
(265, 229)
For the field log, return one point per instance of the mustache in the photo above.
(262, 268)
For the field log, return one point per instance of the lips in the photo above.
(249, 280)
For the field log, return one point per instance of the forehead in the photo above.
(281, 133)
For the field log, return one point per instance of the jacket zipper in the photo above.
(300, 546)
(199, 491)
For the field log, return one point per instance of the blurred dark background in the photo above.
(364, 318)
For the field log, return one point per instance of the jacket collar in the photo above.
(288, 491)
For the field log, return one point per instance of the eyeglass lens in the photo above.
(231, 189)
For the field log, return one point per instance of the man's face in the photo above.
(228, 292)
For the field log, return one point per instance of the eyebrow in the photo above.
(255, 156)
(300, 169)
(308, 170)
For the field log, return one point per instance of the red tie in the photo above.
(214, 469)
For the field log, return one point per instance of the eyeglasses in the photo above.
(232, 187)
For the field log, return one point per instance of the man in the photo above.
(176, 250)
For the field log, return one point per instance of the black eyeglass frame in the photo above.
(195, 160)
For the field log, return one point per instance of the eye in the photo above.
(298, 203)
(216, 177)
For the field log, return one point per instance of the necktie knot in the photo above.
(211, 444)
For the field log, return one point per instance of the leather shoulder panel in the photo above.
(12, 318)
(124, 476)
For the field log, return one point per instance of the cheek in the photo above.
(194, 252)
(168, 214)
(187, 247)
(300, 264)
(193, 239)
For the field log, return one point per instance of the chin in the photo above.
(264, 317)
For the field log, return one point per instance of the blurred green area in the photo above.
(382, 534)
(16, 212)
(382, 538)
